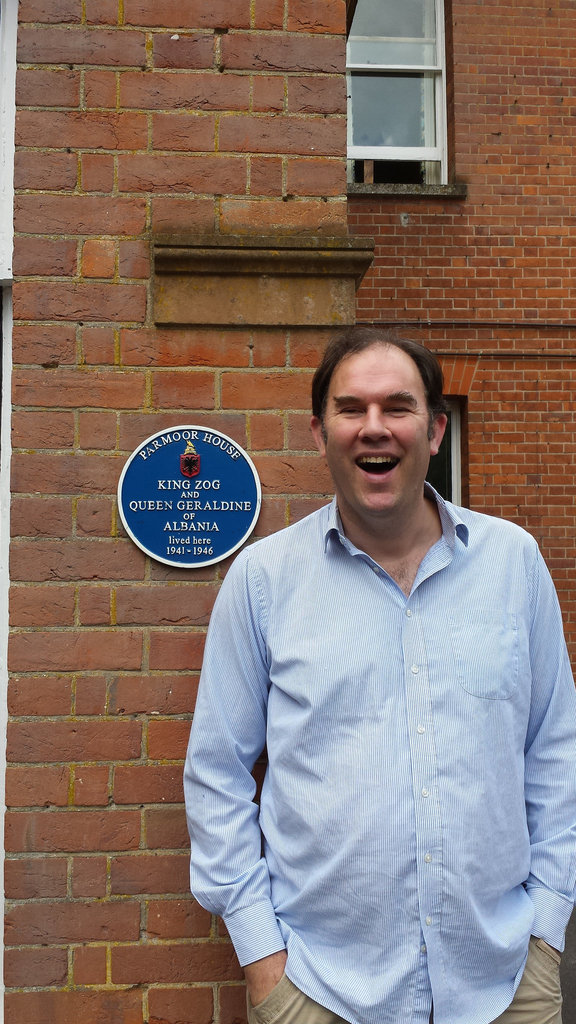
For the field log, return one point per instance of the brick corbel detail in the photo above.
(266, 280)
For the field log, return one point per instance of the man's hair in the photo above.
(352, 340)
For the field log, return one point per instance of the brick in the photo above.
(94, 606)
(100, 88)
(37, 517)
(91, 786)
(194, 51)
(232, 1004)
(98, 257)
(74, 831)
(53, 429)
(166, 828)
(42, 606)
(58, 301)
(266, 431)
(45, 560)
(69, 1007)
(195, 14)
(317, 16)
(165, 606)
(90, 696)
(75, 388)
(293, 53)
(50, 11)
(185, 132)
(265, 133)
(265, 391)
(82, 215)
(238, 216)
(272, 517)
(134, 259)
(31, 877)
(317, 95)
(46, 695)
(50, 172)
(37, 787)
(299, 433)
(45, 256)
(169, 215)
(167, 740)
(94, 517)
(174, 964)
(316, 177)
(269, 93)
(97, 431)
(181, 1006)
(176, 651)
(150, 873)
(81, 46)
(102, 12)
(149, 783)
(82, 129)
(161, 90)
(183, 389)
(45, 966)
(73, 651)
(46, 344)
(73, 741)
(162, 694)
(177, 919)
(196, 347)
(89, 965)
(39, 87)
(266, 176)
(135, 428)
(89, 876)
(294, 474)
(77, 922)
(181, 173)
(97, 172)
(98, 345)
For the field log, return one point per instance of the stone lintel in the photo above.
(258, 280)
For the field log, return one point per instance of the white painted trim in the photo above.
(8, 33)
(5, 452)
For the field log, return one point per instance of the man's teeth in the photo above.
(377, 460)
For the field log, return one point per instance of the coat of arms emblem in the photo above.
(190, 461)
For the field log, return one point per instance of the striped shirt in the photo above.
(418, 813)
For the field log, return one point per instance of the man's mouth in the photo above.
(377, 464)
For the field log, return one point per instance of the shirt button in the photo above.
(415, 669)
(423, 948)
(420, 729)
(425, 792)
(428, 858)
(408, 613)
(428, 920)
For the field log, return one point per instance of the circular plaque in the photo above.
(189, 496)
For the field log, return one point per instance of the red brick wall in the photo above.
(132, 121)
(492, 275)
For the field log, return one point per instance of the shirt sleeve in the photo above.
(550, 767)
(228, 874)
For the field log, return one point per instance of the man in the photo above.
(403, 661)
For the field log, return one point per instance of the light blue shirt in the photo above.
(419, 805)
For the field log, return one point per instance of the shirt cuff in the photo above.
(551, 915)
(254, 932)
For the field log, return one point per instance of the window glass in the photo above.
(387, 32)
(392, 110)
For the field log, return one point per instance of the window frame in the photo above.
(437, 154)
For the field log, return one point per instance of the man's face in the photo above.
(377, 437)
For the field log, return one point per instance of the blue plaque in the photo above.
(189, 496)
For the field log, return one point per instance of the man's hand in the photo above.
(262, 975)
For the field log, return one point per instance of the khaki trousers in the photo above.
(537, 1000)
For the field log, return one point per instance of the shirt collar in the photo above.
(452, 524)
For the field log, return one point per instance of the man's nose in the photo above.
(375, 423)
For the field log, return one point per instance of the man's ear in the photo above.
(438, 429)
(317, 428)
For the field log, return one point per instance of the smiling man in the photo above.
(402, 660)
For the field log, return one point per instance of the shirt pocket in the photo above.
(485, 648)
